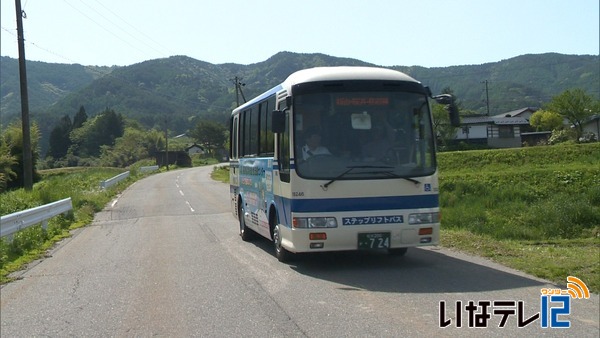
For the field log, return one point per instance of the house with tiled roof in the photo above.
(195, 149)
(523, 113)
(498, 131)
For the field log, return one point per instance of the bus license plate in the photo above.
(374, 240)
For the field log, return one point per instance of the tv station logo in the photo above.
(555, 306)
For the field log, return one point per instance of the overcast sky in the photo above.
(432, 33)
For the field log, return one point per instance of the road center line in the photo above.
(190, 206)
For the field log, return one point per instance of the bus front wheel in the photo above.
(245, 233)
(280, 252)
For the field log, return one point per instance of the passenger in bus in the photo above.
(313, 144)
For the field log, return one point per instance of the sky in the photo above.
(432, 33)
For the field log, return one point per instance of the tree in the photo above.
(442, 128)
(101, 130)
(79, 118)
(59, 140)
(7, 163)
(209, 134)
(134, 145)
(545, 120)
(576, 106)
(12, 139)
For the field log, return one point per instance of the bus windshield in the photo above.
(363, 134)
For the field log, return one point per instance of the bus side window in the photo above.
(233, 142)
(267, 143)
(283, 152)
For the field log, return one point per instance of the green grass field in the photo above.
(534, 209)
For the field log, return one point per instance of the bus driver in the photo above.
(313, 144)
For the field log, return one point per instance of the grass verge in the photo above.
(220, 173)
(82, 185)
(553, 260)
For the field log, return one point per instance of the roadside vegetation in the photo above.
(221, 173)
(81, 184)
(535, 209)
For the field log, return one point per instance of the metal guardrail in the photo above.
(148, 169)
(112, 181)
(14, 222)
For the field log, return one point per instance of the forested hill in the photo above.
(523, 81)
(179, 89)
(47, 83)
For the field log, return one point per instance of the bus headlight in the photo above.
(424, 218)
(314, 222)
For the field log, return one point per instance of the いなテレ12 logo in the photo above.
(557, 302)
(555, 306)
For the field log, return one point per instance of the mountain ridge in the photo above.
(179, 88)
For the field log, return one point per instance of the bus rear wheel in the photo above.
(280, 252)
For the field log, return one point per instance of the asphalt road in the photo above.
(165, 259)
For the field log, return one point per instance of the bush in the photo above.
(588, 137)
(561, 136)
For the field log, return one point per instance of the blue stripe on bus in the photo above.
(364, 203)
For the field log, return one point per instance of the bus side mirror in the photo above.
(448, 100)
(278, 121)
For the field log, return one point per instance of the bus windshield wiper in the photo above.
(350, 168)
(391, 174)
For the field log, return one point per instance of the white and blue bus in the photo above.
(337, 158)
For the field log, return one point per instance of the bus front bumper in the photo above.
(359, 237)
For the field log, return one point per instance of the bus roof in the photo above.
(331, 74)
(345, 73)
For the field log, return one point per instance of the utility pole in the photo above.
(487, 97)
(27, 155)
(167, 143)
(238, 90)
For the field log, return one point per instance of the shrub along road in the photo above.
(165, 259)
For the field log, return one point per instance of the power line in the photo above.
(135, 28)
(49, 51)
(122, 81)
(119, 27)
(103, 27)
